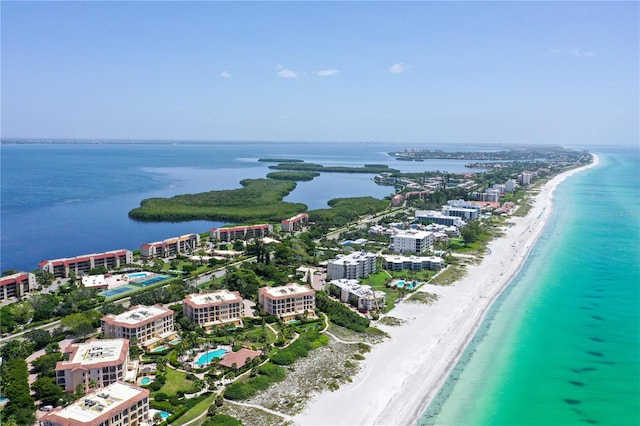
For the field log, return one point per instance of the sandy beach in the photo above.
(402, 375)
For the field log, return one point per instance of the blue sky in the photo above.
(432, 72)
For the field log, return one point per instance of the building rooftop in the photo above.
(94, 405)
(97, 351)
(139, 314)
(218, 296)
(291, 289)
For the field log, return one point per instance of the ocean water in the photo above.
(68, 199)
(562, 344)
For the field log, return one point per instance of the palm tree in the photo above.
(157, 418)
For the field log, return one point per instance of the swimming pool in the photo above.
(400, 284)
(160, 348)
(138, 275)
(145, 381)
(206, 358)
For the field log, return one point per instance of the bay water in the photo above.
(69, 198)
(562, 345)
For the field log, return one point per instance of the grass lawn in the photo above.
(176, 381)
(195, 411)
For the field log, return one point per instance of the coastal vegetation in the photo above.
(294, 176)
(280, 160)
(311, 167)
(257, 200)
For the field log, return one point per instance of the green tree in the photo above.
(46, 391)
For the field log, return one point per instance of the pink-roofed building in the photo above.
(294, 223)
(215, 309)
(240, 232)
(102, 360)
(60, 268)
(16, 285)
(170, 247)
(288, 301)
(238, 359)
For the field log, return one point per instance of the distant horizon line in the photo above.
(106, 141)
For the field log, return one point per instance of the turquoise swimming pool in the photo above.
(206, 358)
(145, 381)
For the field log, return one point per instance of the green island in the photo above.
(258, 199)
(312, 167)
(293, 176)
(280, 160)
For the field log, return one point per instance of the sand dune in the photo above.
(402, 375)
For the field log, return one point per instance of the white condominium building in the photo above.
(413, 241)
(240, 232)
(288, 301)
(118, 404)
(362, 297)
(15, 285)
(356, 265)
(80, 265)
(97, 362)
(149, 325)
(210, 310)
(170, 247)
(463, 212)
(412, 263)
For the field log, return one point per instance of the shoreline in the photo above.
(402, 376)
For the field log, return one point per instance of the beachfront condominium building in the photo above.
(215, 309)
(294, 223)
(510, 185)
(16, 285)
(60, 268)
(438, 218)
(412, 263)
(118, 404)
(363, 297)
(463, 212)
(288, 301)
(240, 232)
(413, 241)
(150, 326)
(170, 247)
(356, 265)
(526, 178)
(95, 363)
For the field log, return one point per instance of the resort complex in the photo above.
(191, 324)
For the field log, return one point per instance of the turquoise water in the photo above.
(145, 381)
(160, 348)
(206, 358)
(562, 347)
(164, 414)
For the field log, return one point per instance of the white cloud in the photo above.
(225, 74)
(326, 73)
(285, 72)
(398, 68)
(581, 53)
(556, 52)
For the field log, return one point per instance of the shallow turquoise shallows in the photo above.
(562, 345)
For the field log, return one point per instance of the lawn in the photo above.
(195, 411)
(176, 381)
